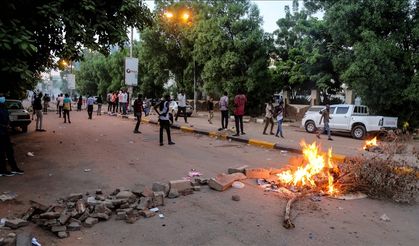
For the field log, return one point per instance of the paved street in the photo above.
(115, 157)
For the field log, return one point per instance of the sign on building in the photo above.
(71, 81)
(131, 71)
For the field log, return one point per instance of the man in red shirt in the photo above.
(240, 101)
(138, 110)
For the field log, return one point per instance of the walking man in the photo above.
(109, 101)
(90, 102)
(47, 99)
(224, 111)
(138, 110)
(239, 104)
(181, 106)
(123, 100)
(269, 110)
(6, 147)
(66, 108)
(326, 118)
(37, 107)
(164, 119)
(279, 118)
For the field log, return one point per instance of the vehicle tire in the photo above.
(359, 132)
(310, 126)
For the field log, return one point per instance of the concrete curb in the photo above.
(251, 141)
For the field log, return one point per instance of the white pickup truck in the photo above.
(348, 118)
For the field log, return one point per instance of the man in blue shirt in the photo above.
(90, 101)
(6, 148)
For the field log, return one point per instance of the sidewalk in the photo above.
(341, 146)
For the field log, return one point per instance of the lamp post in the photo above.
(184, 17)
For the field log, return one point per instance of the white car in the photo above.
(173, 108)
(348, 118)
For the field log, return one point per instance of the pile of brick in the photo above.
(78, 210)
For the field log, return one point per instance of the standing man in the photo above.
(138, 110)
(99, 105)
(109, 101)
(164, 119)
(90, 102)
(47, 99)
(181, 97)
(326, 118)
(224, 111)
(60, 100)
(279, 111)
(66, 108)
(37, 106)
(210, 110)
(239, 103)
(6, 148)
(269, 110)
(123, 100)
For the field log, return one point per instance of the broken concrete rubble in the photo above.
(224, 181)
(257, 173)
(180, 185)
(15, 223)
(240, 169)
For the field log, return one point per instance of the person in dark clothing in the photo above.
(6, 147)
(37, 107)
(79, 103)
(138, 110)
(164, 119)
(210, 107)
(99, 105)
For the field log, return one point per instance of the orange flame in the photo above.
(370, 143)
(317, 167)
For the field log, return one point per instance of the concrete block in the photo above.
(173, 193)
(180, 185)
(159, 186)
(74, 197)
(16, 223)
(124, 194)
(50, 215)
(257, 173)
(240, 169)
(74, 226)
(58, 228)
(89, 222)
(62, 234)
(121, 216)
(64, 217)
(224, 181)
(158, 198)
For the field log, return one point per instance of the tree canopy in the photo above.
(33, 34)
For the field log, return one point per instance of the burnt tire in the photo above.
(310, 126)
(359, 132)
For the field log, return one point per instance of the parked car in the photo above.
(173, 108)
(18, 116)
(348, 118)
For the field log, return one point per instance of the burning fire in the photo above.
(370, 143)
(316, 171)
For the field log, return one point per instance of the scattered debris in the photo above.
(87, 170)
(35, 242)
(8, 196)
(31, 154)
(193, 173)
(240, 169)
(224, 181)
(238, 185)
(385, 218)
(235, 198)
(257, 173)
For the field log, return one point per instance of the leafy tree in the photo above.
(33, 33)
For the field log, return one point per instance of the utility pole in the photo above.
(194, 88)
(130, 87)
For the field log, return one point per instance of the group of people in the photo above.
(272, 113)
(118, 101)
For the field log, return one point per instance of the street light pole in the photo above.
(130, 87)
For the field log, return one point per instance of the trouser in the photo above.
(66, 114)
(224, 119)
(58, 107)
(183, 110)
(113, 107)
(6, 150)
(45, 108)
(60, 110)
(267, 122)
(90, 111)
(99, 109)
(165, 124)
(239, 123)
(210, 115)
(327, 128)
(138, 116)
(109, 106)
(124, 108)
(79, 107)
(117, 106)
(279, 129)
(39, 117)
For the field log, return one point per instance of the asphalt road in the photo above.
(118, 158)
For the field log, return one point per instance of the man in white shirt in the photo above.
(181, 105)
(224, 111)
(123, 100)
(60, 104)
